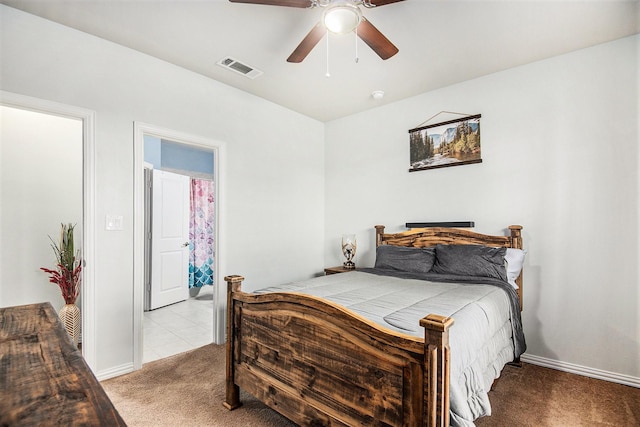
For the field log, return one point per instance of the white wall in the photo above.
(560, 152)
(560, 157)
(40, 171)
(270, 219)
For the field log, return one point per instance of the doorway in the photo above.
(29, 219)
(144, 154)
(180, 206)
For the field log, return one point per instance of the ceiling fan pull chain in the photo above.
(328, 73)
(356, 31)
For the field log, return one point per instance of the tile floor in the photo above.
(178, 327)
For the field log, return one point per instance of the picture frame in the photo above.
(451, 143)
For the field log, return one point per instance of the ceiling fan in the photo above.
(339, 17)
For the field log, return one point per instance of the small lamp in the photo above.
(349, 250)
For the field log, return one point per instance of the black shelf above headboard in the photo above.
(454, 224)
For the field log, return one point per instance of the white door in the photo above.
(169, 239)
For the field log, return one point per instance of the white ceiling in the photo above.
(441, 42)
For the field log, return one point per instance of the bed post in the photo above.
(516, 242)
(232, 400)
(516, 236)
(436, 370)
(379, 233)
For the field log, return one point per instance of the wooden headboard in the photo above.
(428, 237)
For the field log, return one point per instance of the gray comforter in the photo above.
(486, 335)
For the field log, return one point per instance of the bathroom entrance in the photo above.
(177, 240)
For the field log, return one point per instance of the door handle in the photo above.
(185, 244)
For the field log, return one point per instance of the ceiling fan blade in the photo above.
(376, 40)
(308, 43)
(288, 3)
(383, 2)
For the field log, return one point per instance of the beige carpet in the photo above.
(188, 390)
(535, 396)
(185, 390)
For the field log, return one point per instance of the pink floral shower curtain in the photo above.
(201, 233)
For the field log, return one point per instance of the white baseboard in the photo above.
(528, 358)
(115, 372)
(582, 370)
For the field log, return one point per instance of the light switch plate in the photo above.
(114, 222)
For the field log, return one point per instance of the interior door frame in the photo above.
(88, 118)
(140, 130)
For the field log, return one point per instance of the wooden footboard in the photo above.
(320, 364)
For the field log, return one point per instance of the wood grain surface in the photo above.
(44, 380)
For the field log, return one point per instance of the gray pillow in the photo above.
(470, 260)
(415, 260)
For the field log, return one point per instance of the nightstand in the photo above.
(336, 270)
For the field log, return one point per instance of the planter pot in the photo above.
(70, 317)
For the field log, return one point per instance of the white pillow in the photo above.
(514, 259)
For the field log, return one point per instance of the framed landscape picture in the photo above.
(451, 143)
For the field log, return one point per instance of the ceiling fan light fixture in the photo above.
(341, 18)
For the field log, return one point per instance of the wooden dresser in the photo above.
(44, 380)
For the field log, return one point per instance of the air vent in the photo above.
(237, 66)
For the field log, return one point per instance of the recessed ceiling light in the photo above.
(377, 94)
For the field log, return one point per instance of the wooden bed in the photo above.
(320, 364)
